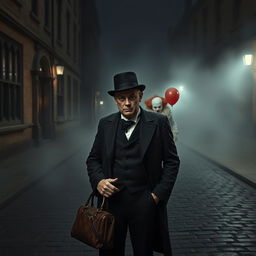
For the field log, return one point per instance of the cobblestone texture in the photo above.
(211, 213)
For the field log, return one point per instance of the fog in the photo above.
(216, 104)
(214, 112)
(215, 108)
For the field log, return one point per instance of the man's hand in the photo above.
(156, 198)
(105, 187)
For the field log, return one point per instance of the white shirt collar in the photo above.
(135, 119)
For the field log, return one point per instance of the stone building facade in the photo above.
(37, 36)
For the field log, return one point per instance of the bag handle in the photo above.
(91, 198)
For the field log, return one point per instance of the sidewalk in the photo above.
(237, 154)
(20, 171)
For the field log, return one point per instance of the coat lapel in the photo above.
(147, 129)
(110, 134)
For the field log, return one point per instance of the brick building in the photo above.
(209, 30)
(36, 37)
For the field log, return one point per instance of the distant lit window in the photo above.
(10, 81)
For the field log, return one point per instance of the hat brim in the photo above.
(141, 87)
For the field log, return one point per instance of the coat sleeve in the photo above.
(94, 160)
(170, 162)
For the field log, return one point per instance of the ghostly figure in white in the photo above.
(157, 106)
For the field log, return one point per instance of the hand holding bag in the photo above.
(94, 226)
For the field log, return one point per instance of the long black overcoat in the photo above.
(159, 155)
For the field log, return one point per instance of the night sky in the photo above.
(134, 37)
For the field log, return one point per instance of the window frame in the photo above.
(11, 84)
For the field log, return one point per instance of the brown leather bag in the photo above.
(94, 226)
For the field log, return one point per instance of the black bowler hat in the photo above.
(125, 81)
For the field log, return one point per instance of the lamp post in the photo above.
(60, 91)
(248, 61)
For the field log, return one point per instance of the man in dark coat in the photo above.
(134, 163)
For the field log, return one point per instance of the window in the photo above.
(34, 7)
(10, 81)
(68, 32)
(47, 13)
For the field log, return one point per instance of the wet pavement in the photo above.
(210, 212)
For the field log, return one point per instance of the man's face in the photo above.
(128, 102)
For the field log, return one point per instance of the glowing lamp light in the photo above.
(248, 59)
(101, 102)
(181, 88)
(59, 70)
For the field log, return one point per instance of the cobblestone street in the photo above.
(210, 212)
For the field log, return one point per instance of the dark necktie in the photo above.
(125, 125)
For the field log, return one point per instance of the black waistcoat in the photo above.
(128, 166)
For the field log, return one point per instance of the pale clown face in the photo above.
(157, 104)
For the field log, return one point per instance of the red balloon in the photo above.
(172, 95)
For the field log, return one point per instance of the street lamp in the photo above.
(248, 59)
(59, 70)
(181, 88)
